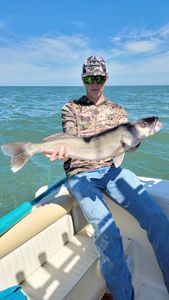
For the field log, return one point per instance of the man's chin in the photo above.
(95, 92)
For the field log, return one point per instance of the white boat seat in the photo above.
(55, 263)
(74, 263)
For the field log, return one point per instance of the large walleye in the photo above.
(112, 143)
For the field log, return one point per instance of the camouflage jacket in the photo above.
(83, 118)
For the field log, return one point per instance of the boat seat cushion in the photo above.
(56, 264)
(27, 258)
(56, 279)
(71, 273)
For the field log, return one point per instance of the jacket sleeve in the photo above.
(69, 121)
(123, 117)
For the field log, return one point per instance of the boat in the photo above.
(49, 251)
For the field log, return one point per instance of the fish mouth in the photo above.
(156, 126)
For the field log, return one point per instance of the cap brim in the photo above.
(94, 73)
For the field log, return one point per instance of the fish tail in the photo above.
(19, 154)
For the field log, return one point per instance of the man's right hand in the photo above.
(55, 154)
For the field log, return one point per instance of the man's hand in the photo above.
(54, 154)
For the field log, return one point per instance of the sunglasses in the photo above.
(90, 79)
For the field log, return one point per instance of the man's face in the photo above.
(95, 90)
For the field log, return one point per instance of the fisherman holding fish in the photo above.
(97, 135)
(91, 114)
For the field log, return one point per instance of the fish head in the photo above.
(146, 127)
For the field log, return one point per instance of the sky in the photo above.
(45, 42)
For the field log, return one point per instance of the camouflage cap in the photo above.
(94, 65)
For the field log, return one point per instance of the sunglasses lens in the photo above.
(100, 79)
(90, 79)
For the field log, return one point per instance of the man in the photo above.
(87, 180)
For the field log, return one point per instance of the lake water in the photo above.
(32, 113)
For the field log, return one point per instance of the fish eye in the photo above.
(144, 124)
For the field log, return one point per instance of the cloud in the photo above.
(143, 41)
(43, 60)
(163, 31)
(55, 50)
(132, 57)
(142, 46)
(150, 70)
(140, 57)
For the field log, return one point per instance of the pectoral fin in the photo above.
(117, 160)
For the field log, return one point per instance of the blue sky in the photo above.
(44, 42)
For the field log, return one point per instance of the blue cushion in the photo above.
(12, 293)
(14, 216)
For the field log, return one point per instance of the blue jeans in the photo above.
(124, 188)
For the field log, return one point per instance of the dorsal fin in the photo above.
(55, 136)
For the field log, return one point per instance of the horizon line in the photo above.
(116, 85)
